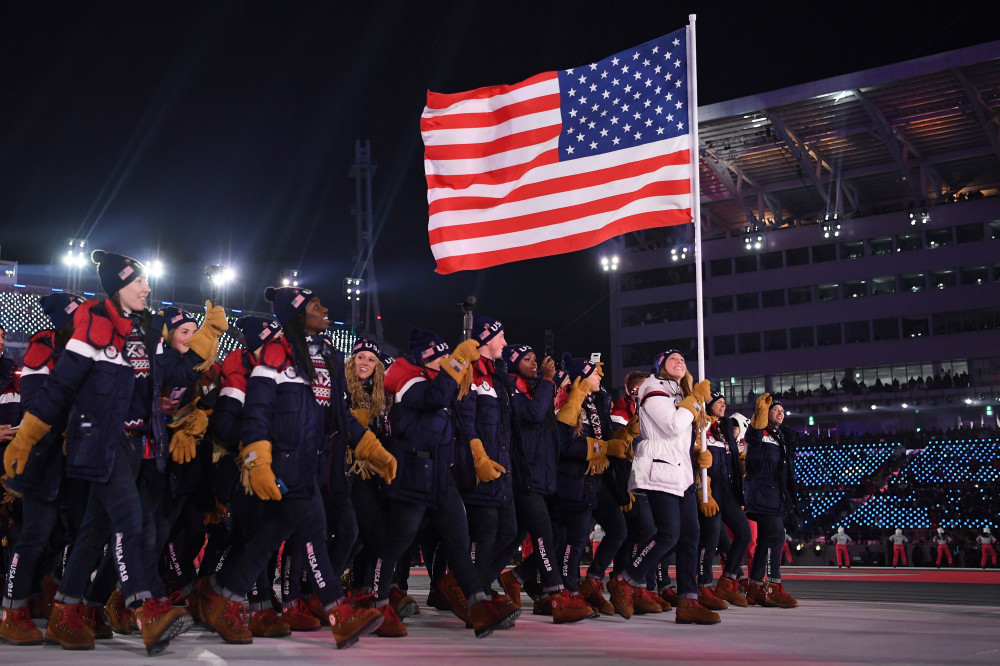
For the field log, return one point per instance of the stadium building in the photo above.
(851, 251)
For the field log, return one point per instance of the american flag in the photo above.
(560, 162)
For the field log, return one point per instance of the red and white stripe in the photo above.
(497, 192)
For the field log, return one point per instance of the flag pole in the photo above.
(696, 218)
(695, 191)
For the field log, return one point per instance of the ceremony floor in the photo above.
(904, 616)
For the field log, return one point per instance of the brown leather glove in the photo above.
(486, 469)
(597, 459)
(690, 403)
(702, 391)
(362, 414)
(187, 432)
(370, 449)
(205, 340)
(460, 371)
(257, 476)
(619, 448)
(569, 413)
(703, 458)
(466, 351)
(759, 420)
(710, 508)
(16, 456)
(632, 427)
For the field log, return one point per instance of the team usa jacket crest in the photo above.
(536, 440)
(485, 413)
(769, 484)
(281, 408)
(423, 431)
(94, 382)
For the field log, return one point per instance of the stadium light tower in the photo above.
(291, 277)
(353, 289)
(219, 276)
(74, 256)
(155, 272)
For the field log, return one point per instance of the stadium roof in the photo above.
(907, 136)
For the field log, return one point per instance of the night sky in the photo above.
(218, 132)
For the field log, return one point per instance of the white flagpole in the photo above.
(696, 218)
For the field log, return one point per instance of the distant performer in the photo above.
(986, 541)
(898, 547)
(841, 538)
(942, 539)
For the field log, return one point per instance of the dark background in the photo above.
(223, 132)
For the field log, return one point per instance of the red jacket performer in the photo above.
(898, 547)
(986, 541)
(942, 539)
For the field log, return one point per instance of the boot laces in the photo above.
(21, 618)
(175, 598)
(155, 608)
(358, 600)
(72, 618)
(298, 607)
(571, 600)
(235, 614)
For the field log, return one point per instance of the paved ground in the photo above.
(880, 616)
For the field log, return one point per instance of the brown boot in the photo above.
(643, 602)
(436, 599)
(511, 587)
(452, 591)
(41, 607)
(392, 624)
(300, 618)
(621, 596)
(777, 597)
(193, 600)
(228, 619)
(591, 590)
(98, 622)
(664, 604)
(729, 590)
(66, 627)
(710, 600)
(689, 611)
(204, 594)
(119, 616)
(404, 605)
(756, 594)
(669, 594)
(266, 624)
(315, 607)
(17, 627)
(542, 605)
(350, 624)
(487, 616)
(159, 622)
(569, 607)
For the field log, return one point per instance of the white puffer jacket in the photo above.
(663, 457)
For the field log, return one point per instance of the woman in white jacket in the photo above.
(669, 406)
